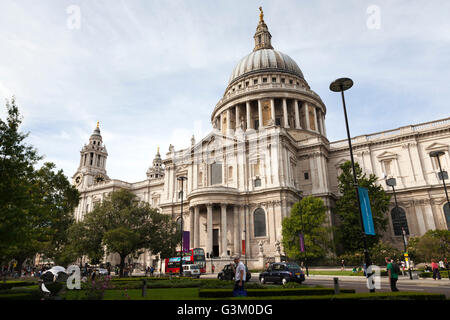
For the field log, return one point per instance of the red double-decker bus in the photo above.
(193, 256)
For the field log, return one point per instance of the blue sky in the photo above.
(152, 71)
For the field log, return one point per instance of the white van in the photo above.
(191, 270)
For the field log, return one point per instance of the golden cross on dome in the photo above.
(98, 124)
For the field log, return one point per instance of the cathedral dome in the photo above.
(263, 60)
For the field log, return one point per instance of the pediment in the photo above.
(386, 155)
(437, 147)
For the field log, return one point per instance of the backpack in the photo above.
(395, 268)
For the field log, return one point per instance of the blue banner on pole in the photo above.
(186, 238)
(302, 242)
(369, 228)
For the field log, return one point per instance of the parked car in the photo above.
(282, 272)
(102, 271)
(229, 271)
(191, 270)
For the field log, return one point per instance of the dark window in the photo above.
(306, 175)
(246, 83)
(274, 79)
(256, 124)
(399, 221)
(282, 80)
(291, 82)
(257, 182)
(278, 121)
(255, 81)
(264, 79)
(259, 220)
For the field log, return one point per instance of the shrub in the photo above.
(9, 285)
(223, 293)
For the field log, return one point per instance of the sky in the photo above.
(152, 71)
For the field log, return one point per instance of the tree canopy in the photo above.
(308, 216)
(124, 225)
(35, 205)
(349, 235)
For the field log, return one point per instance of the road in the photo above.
(441, 286)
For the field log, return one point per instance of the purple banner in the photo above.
(302, 242)
(186, 239)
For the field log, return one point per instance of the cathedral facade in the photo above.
(268, 148)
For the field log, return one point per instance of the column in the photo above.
(228, 120)
(236, 230)
(260, 117)
(306, 107)
(315, 119)
(209, 228)
(196, 226)
(249, 117)
(191, 227)
(324, 131)
(272, 110)
(285, 114)
(223, 230)
(236, 108)
(221, 123)
(297, 115)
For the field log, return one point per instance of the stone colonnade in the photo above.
(240, 221)
(302, 114)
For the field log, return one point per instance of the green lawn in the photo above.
(153, 294)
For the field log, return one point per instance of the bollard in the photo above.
(336, 285)
(144, 288)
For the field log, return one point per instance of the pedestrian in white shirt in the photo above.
(240, 276)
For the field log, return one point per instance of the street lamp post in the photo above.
(303, 234)
(442, 176)
(392, 183)
(182, 179)
(341, 85)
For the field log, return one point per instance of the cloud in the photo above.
(152, 71)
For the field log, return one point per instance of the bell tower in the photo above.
(92, 168)
(156, 171)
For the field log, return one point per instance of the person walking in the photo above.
(342, 265)
(435, 269)
(240, 275)
(393, 271)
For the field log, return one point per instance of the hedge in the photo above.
(9, 285)
(444, 274)
(224, 293)
(20, 295)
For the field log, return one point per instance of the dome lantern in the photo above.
(262, 36)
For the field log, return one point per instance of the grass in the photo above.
(152, 294)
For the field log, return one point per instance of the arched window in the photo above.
(447, 214)
(259, 223)
(399, 221)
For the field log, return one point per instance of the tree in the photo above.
(308, 216)
(17, 160)
(35, 205)
(54, 201)
(435, 244)
(124, 225)
(348, 232)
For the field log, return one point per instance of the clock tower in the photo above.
(92, 162)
